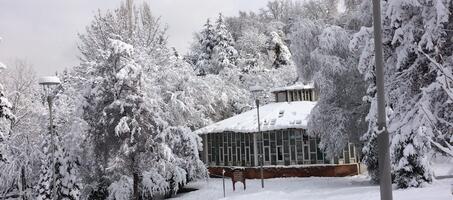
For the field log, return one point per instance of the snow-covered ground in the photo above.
(313, 188)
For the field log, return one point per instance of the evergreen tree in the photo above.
(131, 109)
(63, 168)
(224, 52)
(415, 42)
(362, 42)
(203, 56)
(280, 50)
(214, 49)
(44, 187)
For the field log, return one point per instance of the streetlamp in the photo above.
(256, 90)
(49, 85)
(383, 136)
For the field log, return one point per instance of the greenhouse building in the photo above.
(282, 140)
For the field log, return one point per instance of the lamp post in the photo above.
(49, 85)
(256, 90)
(383, 136)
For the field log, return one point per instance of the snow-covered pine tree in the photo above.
(131, 91)
(126, 123)
(224, 52)
(44, 186)
(214, 49)
(67, 179)
(362, 42)
(415, 95)
(202, 55)
(415, 35)
(67, 184)
(281, 53)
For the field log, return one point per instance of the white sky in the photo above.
(44, 32)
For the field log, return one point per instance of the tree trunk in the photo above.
(23, 183)
(136, 179)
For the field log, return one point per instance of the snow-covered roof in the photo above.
(273, 116)
(297, 86)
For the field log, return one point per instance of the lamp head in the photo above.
(49, 85)
(49, 81)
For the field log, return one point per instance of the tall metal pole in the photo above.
(52, 145)
(383, 136)
(262, 141)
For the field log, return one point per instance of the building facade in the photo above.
(283, 140)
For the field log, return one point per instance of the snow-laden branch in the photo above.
(445, 86)
(448, 149)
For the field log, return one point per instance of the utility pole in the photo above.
(49, 84)
(383, 135)
(257, 89)
(262, 141)
(52, 144)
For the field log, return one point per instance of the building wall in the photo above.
(281, 147)
(295, 171)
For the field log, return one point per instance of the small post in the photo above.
(223, 180)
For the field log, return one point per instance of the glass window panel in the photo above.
(313, 158)
(286, 146)
(221, 154)
(299, 150)
(279, 153)
(247, 154)
(306, 153)
(266, 139)
(298, 135)
(266, 154)
(313, 145)
(320, 155)
(346, 154)
(351, 150)
(293, 153)
(281, 97)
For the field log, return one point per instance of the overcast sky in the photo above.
(44, 32)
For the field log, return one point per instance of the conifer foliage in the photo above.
(416, 47)
(215, 49)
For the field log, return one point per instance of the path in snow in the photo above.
(313, 188)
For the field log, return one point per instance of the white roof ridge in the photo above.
(296, 86)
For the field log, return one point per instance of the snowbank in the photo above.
(313, 188)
